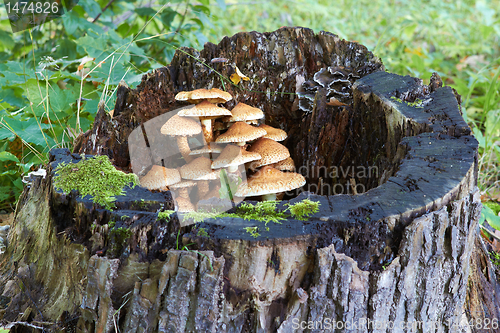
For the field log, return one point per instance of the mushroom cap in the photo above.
(221, 95)
(275, 134)
(270, 180)
(184, 205)
(159, 177)
(234, 155)
(241, 132)
(213, 95)
(181, 126)
(199, 169)
(244, 112)
(270, 152)
(182, 184)
(209, 148)
(285, 165)
(204, 109)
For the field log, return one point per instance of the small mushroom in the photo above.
(285, 165)
(158, 178)
(210, 148)
(205, 111)
(182, 188)
(213, 95)
(181, 128)
(275, 134)
(232, 156)
(244, 112)
(239, 133)
(200, 169)
(270, 152)
(268, 181)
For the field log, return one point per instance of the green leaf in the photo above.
(14, 73)
(5, 194)
(488, 214)
(409, 30)
(168, 16)
(6, 156)
(29, 131)
(91, 7)
(145, 11)
(479, 137)
(6, 40)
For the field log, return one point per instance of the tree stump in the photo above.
(391, 162)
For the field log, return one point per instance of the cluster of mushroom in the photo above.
(247, 147)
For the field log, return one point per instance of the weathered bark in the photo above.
(398, 251)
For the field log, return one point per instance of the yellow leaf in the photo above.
(238, 76)
(235, 78)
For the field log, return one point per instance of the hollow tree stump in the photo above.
(396, 253)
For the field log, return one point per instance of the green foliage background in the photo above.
(40, 84)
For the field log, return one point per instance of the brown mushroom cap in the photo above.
(233, 156)
(269, 180)
(159, 178)
(270, 152)
(181, 126)
(204, 109)
(241, 132)
(244, 112)
(285, 165)
(213, 95)
(275, 134)
(199, 169)
(182, 184)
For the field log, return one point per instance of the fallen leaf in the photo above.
(238, 76)
(83, 61)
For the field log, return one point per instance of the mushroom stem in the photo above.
(183, 145)
(241, 144)
(203, 189)
(232, 168)
(183, 192)
(206, 125)
(270, 196)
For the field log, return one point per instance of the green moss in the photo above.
(303, 209)
(117, 240)
(202, 232)
(495, 258)
(265, 211)
(96, 177)
(111, 224)
(165, 215)
(253, 231)
(416, 104)
(201, 216)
